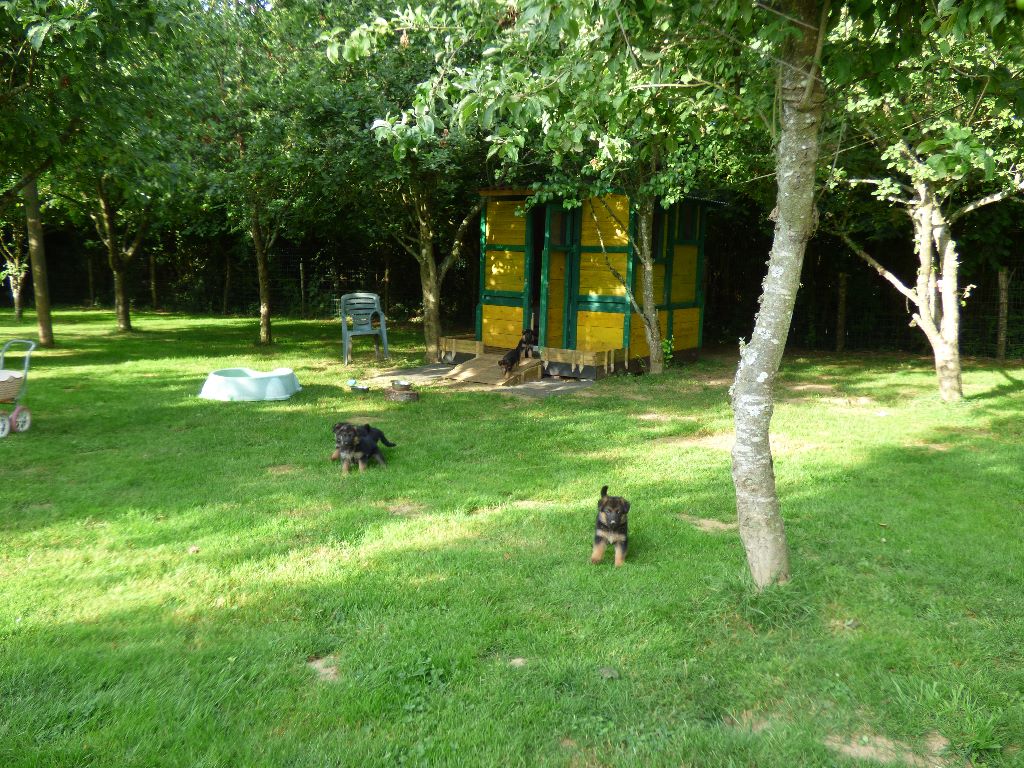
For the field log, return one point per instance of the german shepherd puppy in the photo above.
(525, 348)
(511, 359)
(611, 527)
(359, 443)
(529, 342)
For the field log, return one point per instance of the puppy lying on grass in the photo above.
(611, 527)
(358, 443)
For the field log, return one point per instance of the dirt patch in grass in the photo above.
(721, 441)
(707, 524)
(871, 746)
(664, 418)
(405, 507)
(747, 720)
(326, 667)
(281, 469)
(842, 626)
(931, 446)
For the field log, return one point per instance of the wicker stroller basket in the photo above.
(10, 385)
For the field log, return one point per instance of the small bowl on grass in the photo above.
(401, 385)
(360, 388)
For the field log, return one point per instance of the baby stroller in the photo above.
(12, 389)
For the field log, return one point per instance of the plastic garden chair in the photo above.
(360, 309)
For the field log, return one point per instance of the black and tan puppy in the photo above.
(359, 443)
(525, 348)
(611, 527)
(511, 359)
(529, 342)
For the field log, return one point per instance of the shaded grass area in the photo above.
(171, 565)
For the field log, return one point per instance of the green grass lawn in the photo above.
(171, 566)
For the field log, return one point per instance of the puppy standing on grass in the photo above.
(611, 527)
(359, 443)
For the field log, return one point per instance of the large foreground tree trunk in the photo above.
(37, 257)
(757, 503)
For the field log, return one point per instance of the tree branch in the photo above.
(143, 227)
(38, 170)
(406, 245)
(459, 242)
(812, 73)
(989, 199)
(885, 273)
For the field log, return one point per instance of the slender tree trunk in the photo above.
(1004, 313)
(757, 503)
(302, 289)
(17, 286)
(14, 259)
(950, 381)
(152, 280)
(431, 302)
(430, 277)
(37, 257)
(227, 282)
(645, 254)
(91, 277)
(263, 275)
(841, 315)
(122, 305)
(937, 295)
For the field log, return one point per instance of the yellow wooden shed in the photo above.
(563, 272)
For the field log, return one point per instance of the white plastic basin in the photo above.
(247, 384)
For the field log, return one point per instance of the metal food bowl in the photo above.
(401, 385)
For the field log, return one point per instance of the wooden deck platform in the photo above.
(574, 363)
(483, 369)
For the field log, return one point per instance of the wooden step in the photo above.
(484, 369)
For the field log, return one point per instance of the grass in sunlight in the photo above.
(193, 583)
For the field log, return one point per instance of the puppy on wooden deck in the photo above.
(611, 527)
(525, 348)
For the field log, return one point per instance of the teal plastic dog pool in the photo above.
(247, 384)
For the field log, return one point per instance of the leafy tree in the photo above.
(436, 166)
(945, 126)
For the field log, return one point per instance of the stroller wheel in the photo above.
(5, 425)
(21, 419)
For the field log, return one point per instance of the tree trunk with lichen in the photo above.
(757, 503)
